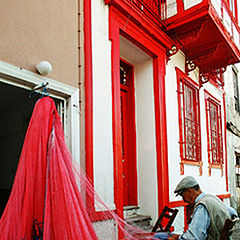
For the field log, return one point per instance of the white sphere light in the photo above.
(44, 68)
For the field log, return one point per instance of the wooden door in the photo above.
(128, 134)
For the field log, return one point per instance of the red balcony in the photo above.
(207, 31)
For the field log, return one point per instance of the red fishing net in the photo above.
(51, 199)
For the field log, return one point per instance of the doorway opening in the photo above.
(16, 109)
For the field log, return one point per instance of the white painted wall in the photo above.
(146, 139)
(102, 104)
(190, 3)
(217, 5)
(171, 8)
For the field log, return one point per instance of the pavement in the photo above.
(236, 231)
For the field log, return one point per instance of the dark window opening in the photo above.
(16, 109)
(236, 91)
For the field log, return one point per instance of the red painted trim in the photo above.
(225, 140)
(208, 94)
(116, 116)
(236, 11)
(161, 131)
(185, 16)
(116, 119)
(88, 89)
(181, 74)
(177, 204)
(147, 43)
(95, 216)
(180, 6)
(223, 196)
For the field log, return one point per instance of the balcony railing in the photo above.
(228, 20)
(224, 11)
(156, 8)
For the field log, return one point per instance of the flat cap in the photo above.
(187, 182)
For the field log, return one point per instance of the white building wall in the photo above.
(146, 139)
(171, 8)
(145, 121)
(191, 3)
(102, 104)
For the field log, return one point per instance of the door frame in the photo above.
(157, 50)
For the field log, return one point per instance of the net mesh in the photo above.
(51, 197)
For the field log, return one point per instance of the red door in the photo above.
(128, 134)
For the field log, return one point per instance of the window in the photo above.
(214, 132)
(189, 121)
(236, 90)
(237, 167)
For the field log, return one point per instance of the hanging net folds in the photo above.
(51, 197)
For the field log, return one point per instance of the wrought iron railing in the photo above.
(228, 18)
(152, 8)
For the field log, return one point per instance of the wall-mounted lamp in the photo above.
(44, 68)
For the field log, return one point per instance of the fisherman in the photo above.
(209, 213)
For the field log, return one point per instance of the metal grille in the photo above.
(215, 132)
(191, 139)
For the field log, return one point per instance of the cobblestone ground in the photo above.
(236, 232)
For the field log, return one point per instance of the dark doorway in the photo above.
(16, 109)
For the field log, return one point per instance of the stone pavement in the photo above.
(236, 231)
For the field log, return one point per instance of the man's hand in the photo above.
(174, 237)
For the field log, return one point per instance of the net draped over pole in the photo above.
(50, 199)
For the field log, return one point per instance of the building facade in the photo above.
(157, 109)
(141, 87)
(232, 124)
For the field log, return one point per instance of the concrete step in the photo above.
(130, 210)
(140, 221)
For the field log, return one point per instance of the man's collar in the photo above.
(199, 197)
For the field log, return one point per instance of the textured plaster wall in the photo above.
(146, 139)
(233, 141)
(32, 31)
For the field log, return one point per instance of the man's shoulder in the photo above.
(207, 199)
(209, 196)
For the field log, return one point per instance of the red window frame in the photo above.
(214, 132)
(189, 121)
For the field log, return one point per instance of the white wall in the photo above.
(146, 138)
(171, 8)
(102, 104)
(190, 3)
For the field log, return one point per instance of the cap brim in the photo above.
(179, 192)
